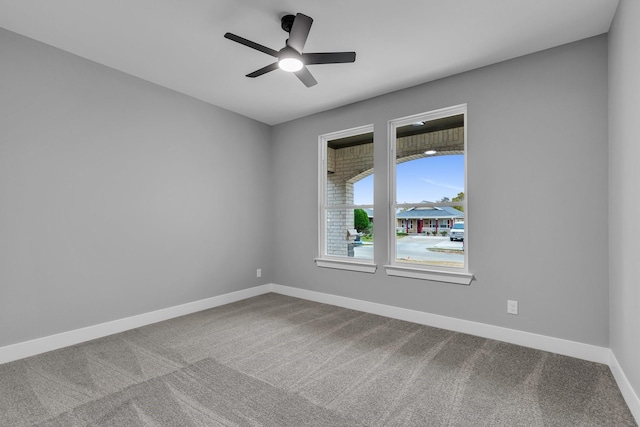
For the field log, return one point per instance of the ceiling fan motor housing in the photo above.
(286, 22)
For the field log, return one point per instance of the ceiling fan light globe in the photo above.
(290, 64)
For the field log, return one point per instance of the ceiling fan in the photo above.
(290, 57)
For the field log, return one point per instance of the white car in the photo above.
(457, 232)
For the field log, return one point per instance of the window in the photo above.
(428, 189)
(427, 198)
(346, 200)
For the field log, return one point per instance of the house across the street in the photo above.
(428, 219)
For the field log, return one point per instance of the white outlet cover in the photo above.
(512, 307)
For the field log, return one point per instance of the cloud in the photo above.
(440, 184)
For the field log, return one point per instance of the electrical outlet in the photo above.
(512, 307)
(259, 272)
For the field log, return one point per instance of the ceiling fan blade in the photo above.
(299, 32)
(328, 58)
(305, 77)
(263, 70)
(251, 44)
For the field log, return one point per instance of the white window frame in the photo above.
(460, 276)
(324, 260)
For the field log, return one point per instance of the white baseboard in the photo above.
(541, 342)
(556, 345)
(629, 394)
(65, 339)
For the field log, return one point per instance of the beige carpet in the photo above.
(274, 360)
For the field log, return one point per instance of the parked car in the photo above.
(457, 232)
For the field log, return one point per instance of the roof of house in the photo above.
(439, 212)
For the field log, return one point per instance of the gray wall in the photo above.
(537, 186)
(624, 176)
(118, 197)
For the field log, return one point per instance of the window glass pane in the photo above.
(347, 201)
(350, 161)
(419, 248)
(430, 179)
(350, 233)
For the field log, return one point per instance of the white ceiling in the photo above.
(179, 44)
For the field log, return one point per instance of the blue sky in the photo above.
(429, 178)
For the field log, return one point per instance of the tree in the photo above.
(459, 198)
(360, 220)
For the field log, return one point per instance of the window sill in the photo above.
(457, 278)
(363, 267)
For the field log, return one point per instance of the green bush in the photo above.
(360, 220)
